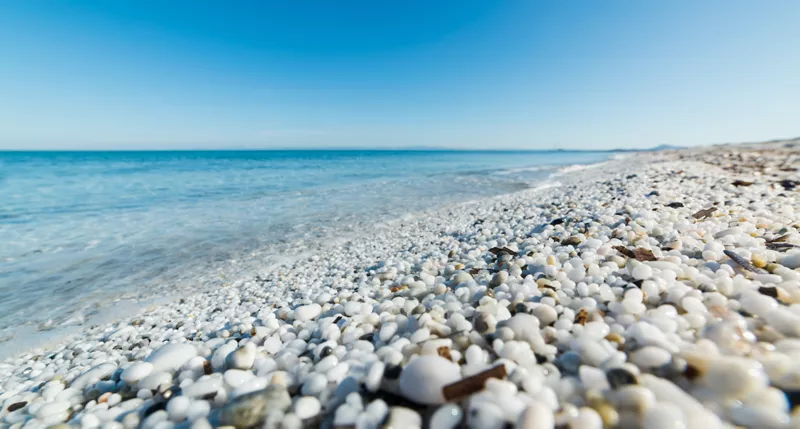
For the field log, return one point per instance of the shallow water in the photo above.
(78, 229)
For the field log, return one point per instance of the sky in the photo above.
(579, 74)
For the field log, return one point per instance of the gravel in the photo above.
(614, 298)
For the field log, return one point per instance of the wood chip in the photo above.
(625, 251)
(702, 214)
(744, 263)
(642, 254)
(741, 183)
(503, 250)
(467, 386)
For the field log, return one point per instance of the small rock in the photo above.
(243, 357)
(136, 372)
(403, 418)
(252, 408)
(425, 376)
(619, 377)
(307, 407)
(307, 312)
(171, 357)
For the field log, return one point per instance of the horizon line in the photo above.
(317, 149)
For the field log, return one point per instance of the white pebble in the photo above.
(422, 380)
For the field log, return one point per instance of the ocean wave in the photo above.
(574, 168)
(509, 171)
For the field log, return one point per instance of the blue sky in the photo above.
(464, 74)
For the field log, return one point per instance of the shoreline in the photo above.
(379, 298)
(238, 267)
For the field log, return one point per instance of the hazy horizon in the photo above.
(464, 75)
(321, 148)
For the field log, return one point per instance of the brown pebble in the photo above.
(768, 291)
(207, 369)
(468, 386)
(503, 250)
(444, 352)
(582, 317)
(702, 214)
(758, 261)
(16, 405)
(642, 254)
(608, 414)
(692, 372)
(615, 337)
(625, 251)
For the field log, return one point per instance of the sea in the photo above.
(81, 233)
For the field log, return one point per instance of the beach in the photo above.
(656, 290)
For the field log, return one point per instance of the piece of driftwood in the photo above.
(503, 250)
(625, 251)
(702, 214)
(468, 386)
(642, 254)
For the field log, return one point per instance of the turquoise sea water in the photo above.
(78, 229)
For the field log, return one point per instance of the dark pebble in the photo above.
(768, 291)
(325, 352)
(794, 398)
(618, 377)
(16, 405)
(392, 372)
(155, 407)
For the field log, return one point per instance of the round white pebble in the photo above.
(306, 407)
(425, 376)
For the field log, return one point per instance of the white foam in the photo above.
(576, 168)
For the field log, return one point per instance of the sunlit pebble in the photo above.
(422, 303)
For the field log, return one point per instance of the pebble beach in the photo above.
(660, 290)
